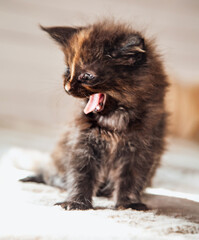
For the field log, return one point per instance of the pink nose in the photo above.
(67, 87)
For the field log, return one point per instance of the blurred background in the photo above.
(33, 104)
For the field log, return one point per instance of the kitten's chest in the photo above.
(109, 157)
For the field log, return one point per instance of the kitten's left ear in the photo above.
(130, 50)
(60, 34)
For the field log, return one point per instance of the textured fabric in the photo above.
(27, 210)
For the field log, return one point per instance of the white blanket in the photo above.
(27, 210)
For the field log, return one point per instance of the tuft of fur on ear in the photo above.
(60, 34)
(129, 50)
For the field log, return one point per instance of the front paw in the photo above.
(74, 205)
(136, 206)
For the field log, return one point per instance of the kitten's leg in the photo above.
(81, 178)
(127, 195)
(132, 176)
(79, 189)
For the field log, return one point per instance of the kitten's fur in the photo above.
(114, 151)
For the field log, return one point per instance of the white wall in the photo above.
(31, 64)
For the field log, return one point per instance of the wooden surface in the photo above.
(31, 64)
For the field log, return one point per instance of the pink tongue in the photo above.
(93, 102)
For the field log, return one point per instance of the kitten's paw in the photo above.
(139, 206)
(135, 206)
(69, 205)
(37, 179)
(105, 189)
(104, 193)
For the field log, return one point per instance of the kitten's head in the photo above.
(106, 63)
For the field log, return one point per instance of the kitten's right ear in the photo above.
(60, 34)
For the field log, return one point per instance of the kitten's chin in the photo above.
(95, 103)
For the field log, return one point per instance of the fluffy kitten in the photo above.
(117, 140)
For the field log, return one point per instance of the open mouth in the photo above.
(95, 103)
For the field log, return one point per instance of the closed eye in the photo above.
(85, 76)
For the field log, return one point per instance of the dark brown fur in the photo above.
(115, 151)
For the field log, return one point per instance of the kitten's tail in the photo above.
(39, 165)
(19, 163)
(29, 160)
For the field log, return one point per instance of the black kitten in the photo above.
(117, 140)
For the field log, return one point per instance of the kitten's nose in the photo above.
(67, 86)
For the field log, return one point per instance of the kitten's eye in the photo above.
(85, 76)
(67, 71)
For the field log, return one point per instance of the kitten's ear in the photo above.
(130, 50)
(60, 34)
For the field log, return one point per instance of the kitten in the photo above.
(117, 139)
